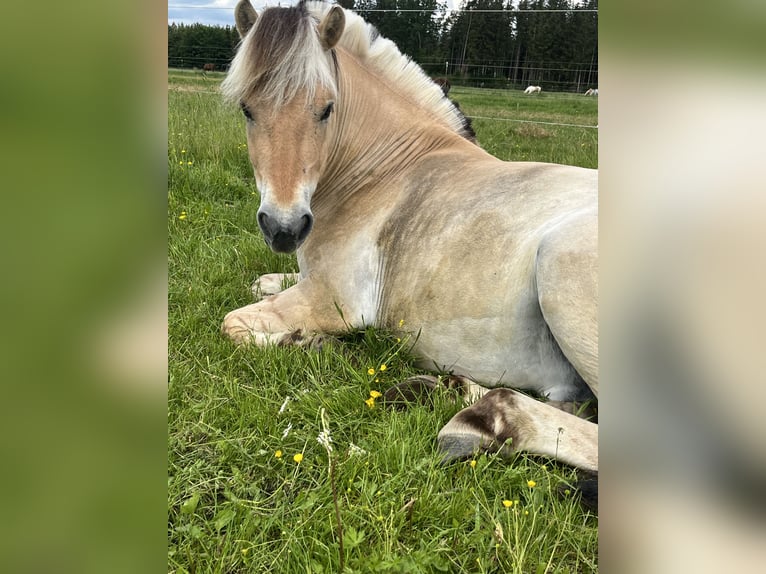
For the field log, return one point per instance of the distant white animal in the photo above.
(533, 90)
(592, 92)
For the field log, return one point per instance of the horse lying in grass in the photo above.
(369, 172)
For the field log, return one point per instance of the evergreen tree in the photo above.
(479, 44)
(413, 25)
(507, 46)
(193, 46)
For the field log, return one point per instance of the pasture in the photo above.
(250, 488)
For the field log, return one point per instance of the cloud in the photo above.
(212, 13)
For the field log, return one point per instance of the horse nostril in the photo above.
(267, 224)
(307, 222)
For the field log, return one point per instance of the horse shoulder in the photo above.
(347, 258)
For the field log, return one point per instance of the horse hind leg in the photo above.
(567, 290)
(420, 389)
(506, 421)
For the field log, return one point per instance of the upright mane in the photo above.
(282, 54)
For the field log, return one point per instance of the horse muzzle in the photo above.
(286, 232)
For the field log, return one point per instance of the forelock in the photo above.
(280, 56)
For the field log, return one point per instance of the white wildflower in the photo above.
(284, 405)
(354, 450)
(324, 437)
(325, 440)
(287, 430)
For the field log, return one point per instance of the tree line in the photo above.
(489, 43)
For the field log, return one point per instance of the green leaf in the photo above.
(223, 518)
(190, 504)
(353, 538)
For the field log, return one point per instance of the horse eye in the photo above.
(327, 111)
(245, 111)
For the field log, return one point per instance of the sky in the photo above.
(221, 12)
(211, 12)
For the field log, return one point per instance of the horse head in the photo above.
(283, 79)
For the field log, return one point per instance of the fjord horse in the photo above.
(400, 221)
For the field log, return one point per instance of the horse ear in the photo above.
(331, 27)
(244, 16)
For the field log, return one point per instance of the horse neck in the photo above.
(378, 134)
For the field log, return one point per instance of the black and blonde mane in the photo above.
(282, 55)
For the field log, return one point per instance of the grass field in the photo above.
(239, 499)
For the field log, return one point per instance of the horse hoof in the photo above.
(459, 446)
(271, 284)
(416, 390)
(586, 488)
(312, 341)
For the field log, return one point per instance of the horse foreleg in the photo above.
(506, 420)
(273, 283)
(296, 315)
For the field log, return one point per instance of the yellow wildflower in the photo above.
(401, 323)
(183, 215)
(278, 454)
(507, 503)
(473, 464)
(376, 394)
(370, 402)
(298, 457)
(383, 367)
(189, 162)
(183, 151)
(370, 371)
(531, 483)
(526, 512)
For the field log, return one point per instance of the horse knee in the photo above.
(246, 326)
(236, 327)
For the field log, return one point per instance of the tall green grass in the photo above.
(234, 505)
(511, 135)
